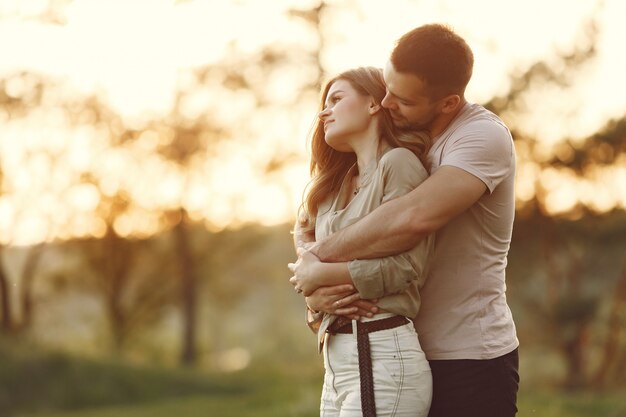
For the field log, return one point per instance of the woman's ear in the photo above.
(374, 108)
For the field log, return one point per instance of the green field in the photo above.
(264, 403)
(38, 384)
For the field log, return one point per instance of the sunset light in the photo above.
(61, 174)
(154, 157)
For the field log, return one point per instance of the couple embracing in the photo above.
(403, 236)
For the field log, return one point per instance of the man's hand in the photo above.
(341, 300)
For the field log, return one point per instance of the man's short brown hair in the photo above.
(438, 56)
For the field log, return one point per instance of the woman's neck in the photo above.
(367, 149)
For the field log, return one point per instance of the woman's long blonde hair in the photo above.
(328, 166)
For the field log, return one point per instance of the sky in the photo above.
(134, 55)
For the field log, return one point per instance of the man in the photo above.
(464, 323)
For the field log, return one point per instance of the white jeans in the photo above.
(402, 378)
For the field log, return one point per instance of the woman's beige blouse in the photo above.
(394, 280)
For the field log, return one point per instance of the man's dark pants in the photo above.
(475, 388)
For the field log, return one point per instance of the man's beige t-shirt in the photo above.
(394, 280)
(464, 312)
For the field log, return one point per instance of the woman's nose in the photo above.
(324, 113)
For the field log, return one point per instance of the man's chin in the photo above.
(405, 126)
(400, 123)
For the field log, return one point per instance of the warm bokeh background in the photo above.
(153, 154)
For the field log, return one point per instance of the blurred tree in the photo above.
(562, 268)
(191, 139)
(566, 276)
(5, 299)
(566, 286)
(134, 277)
(187, 137)
(29, 272)
(188, 292)
(18, 93)
(613, 357)
(197, 133)
(112, 260)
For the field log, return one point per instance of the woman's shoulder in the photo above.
(401, 158)
(399, 154)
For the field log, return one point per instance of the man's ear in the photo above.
(450, 103)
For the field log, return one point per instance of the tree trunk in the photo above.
(5, 300)
(115, 263)
(575, 357)
(188, 293)
(26, 289)
(611, 349)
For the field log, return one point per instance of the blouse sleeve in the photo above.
(375, 278)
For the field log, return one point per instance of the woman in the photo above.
(359, 161)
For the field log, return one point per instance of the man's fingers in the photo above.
(347, 300)
(363, 312)
(354, 305)
(346, 311)
(365, 305)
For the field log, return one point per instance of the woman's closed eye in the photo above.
(334, 99)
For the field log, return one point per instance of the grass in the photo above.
(253, 393)
(43, 384)
(34, 383)
(264, 397)
(580, 404)
(540, 405)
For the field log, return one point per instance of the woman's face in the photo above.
(346, 115)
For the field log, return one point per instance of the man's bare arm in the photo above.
(302, 239)
(400, 224)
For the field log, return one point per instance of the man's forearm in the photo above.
(382, 233)
(301, 238)
(400, 224)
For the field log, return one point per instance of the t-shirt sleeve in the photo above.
(484, 149)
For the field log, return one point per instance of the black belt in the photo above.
(368, 406)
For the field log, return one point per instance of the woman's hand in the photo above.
(307, 273)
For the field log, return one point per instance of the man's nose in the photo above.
(388, 102)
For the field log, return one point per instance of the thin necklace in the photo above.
(357, 187)
(358, 184)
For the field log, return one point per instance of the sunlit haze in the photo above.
(135, 55)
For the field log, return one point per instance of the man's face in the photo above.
(408, 101)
